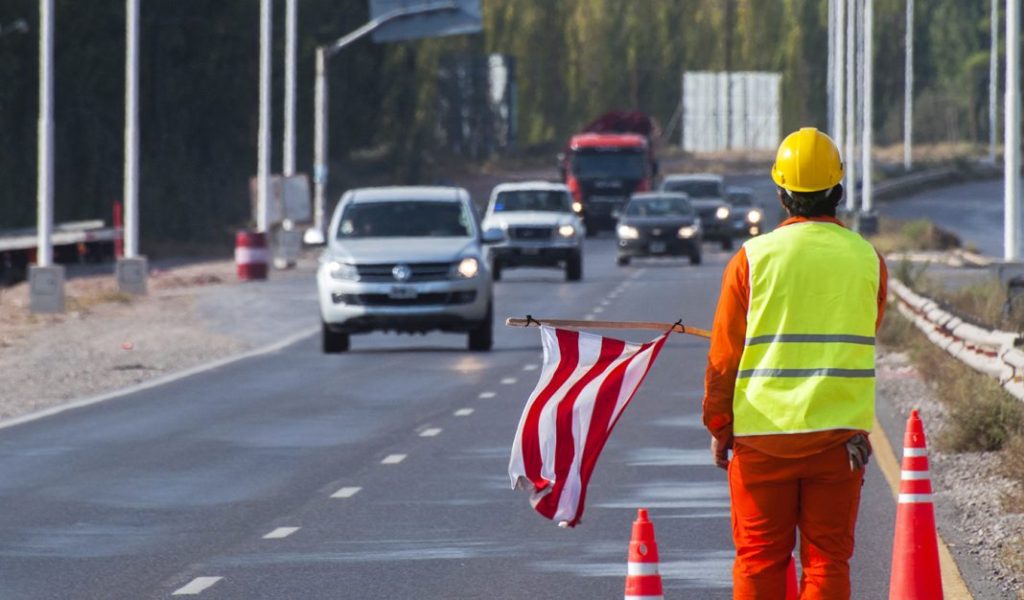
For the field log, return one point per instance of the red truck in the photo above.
(606, 162)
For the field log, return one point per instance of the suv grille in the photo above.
(420, 272)
(531, 233)
(433, 298)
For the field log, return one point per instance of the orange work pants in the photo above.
(771, 498)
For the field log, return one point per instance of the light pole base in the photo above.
(46, 289)
(131, 275)
(866, 223)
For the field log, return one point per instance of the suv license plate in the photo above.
(530, 251)
(402, 292)
(657, 247)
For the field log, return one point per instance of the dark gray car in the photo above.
(656, 224)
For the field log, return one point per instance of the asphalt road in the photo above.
(972, 210)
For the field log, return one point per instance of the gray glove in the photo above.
(859, 449)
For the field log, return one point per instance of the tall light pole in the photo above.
(263, 159)
(131, 268)
(993, 81)
(840, 82)
(1011, 142)
(830, 81)
(46, 280)
(323, 54)
(851, 106)
(291, 27)
(908, 88)
(867, 137)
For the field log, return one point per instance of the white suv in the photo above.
(405, 259)
(540, 226)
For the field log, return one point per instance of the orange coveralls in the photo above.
(780, 482)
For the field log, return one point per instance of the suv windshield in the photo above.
(658, 207)
(542, 200)
(405, 218)
(741, 200)
(608, 165)
(695, 188)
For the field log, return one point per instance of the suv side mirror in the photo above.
(493, 235)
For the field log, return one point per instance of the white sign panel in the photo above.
(731, 111)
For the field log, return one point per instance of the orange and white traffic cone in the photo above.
(643, 582)
(792, 588)
(915, 547)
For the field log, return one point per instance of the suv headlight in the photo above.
(722, 212)
(688, 231)
(627, 232)
(567, 231)
(342, 271)
(754, 216)
(467, 268)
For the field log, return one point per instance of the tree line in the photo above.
(575, 59)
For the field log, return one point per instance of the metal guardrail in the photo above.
(994, 353)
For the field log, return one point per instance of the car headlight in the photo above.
(688, 231)
(722, 212)
(468, 268)
(627, 232)
(566, 231)
(754, 216)
(343, 271)
(577, 207)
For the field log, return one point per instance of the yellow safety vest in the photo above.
(808, 362)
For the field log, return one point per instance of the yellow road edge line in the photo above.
(953, 585)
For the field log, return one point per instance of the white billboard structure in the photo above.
(730, 111)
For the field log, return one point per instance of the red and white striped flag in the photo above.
(586, 383)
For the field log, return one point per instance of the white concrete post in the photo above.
(1011, 163)
(320, 140)
(851, 107)
(867, 140)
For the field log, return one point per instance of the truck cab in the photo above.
(602, 170)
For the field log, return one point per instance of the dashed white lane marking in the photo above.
(463, 412)
(393, 459)
(598, 310)
(346, 492)
(508, 381)
(530, 367)
(280, 533)
(589, 318)
(431, 432)
(605, 302)
(196, 586)
(486, 395)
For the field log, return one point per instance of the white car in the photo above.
(541, 228)
(405, 259)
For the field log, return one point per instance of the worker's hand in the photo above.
(859, 449)
(720, 452)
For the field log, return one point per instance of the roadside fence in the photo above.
(994, 353)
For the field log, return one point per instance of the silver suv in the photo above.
(405, 259)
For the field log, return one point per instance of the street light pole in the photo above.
(323, 54)
(851, 106)
(993, 81)
(291, 26)
(908, 88)
(840, 81)
(1011, 142)
(131, 269)
(867, 137)
(263, 159)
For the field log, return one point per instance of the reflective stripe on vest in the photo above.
(808, 363)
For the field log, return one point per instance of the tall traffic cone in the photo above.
(643, 582)
(915, 547)
(792, 588)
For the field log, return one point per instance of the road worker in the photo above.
(790, 382)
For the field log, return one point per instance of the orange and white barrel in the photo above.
(251, 255)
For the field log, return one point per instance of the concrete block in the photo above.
(46, 289)
(131, 275)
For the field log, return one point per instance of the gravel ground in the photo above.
(968, 486)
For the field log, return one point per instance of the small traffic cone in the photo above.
(643, 582)
(915, 547)
(792, 588)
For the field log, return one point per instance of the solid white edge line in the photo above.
(915, 499)
(280, 533)
(346, 492)
(152, 383)
(393, 459)
(431, 432)
(196, 586)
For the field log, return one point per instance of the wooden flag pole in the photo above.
(577, 324)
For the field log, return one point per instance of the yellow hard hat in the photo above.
(807, 161)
